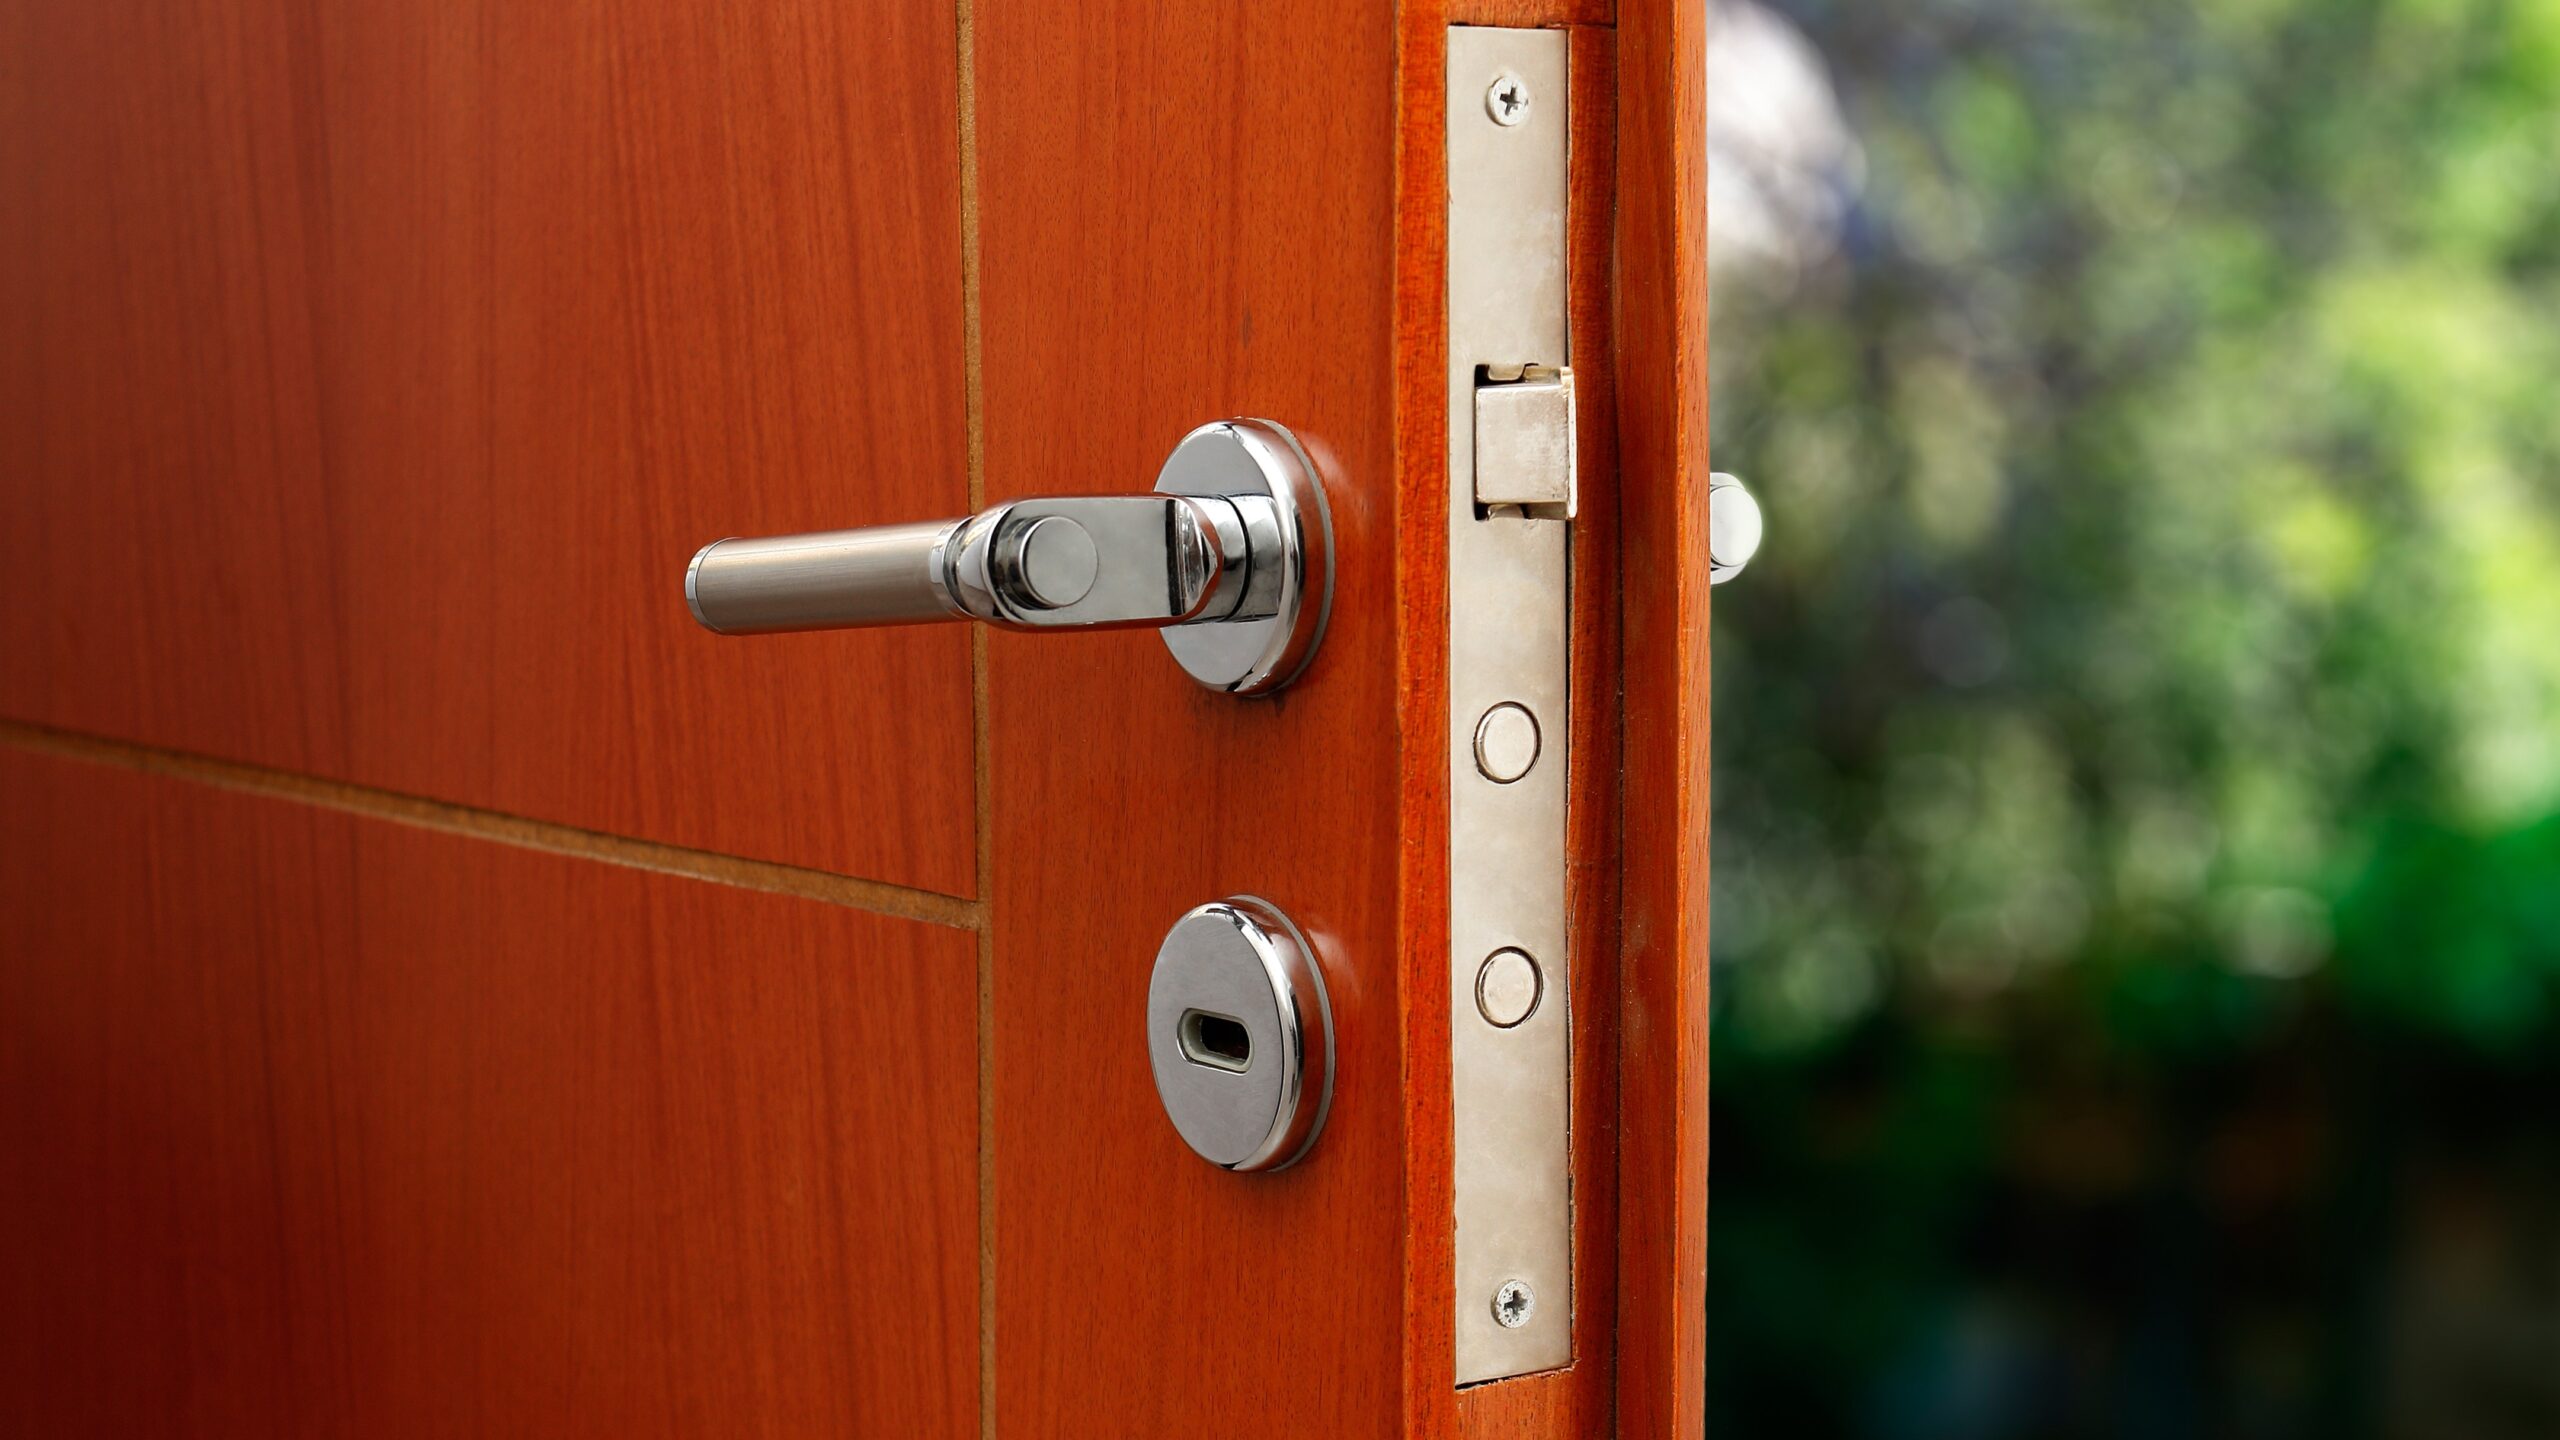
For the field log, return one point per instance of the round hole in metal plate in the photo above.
(1507, 742)
(1508, 987)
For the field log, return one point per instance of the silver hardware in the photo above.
(1508, 987)
(1733, 527)
(1240, 1034)
(1510, 499)
(1058, 561)
(1513, 1304)
(809, 582)
(1506, 743)
(1525, 456)
(1232, 557)
(1261, 469)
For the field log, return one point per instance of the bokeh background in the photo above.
(2137, 756)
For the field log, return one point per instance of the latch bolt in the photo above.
(1525, 458)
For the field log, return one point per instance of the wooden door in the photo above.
(444, 990)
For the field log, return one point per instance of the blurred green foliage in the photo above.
(2138, 743)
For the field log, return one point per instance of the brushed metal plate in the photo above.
(1508, 604)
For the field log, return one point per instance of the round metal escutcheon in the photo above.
(1240, 1035)
(1281, 619)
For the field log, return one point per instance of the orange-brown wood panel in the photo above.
(1422, 621)
(1186, 213)
(320, 1125)
(1662, 438)
(371, 370)
(1532, 14)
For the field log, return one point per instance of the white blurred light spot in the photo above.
(1782, 167)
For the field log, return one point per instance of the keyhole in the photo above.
(1217, 1041)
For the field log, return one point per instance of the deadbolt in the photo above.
(1241, 1035)
(1232, 557)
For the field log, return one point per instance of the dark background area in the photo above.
(2137, 758)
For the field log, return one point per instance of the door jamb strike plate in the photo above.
(1509, 604)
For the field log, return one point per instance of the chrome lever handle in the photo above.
(1234, 548)
(821, 581)
(1064, 563)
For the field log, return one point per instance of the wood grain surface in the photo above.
(1533, 14)
(1662, 440)
(368, 373)
(1187, 213)
(371, 371)
(1422, 704)
(318, 1125)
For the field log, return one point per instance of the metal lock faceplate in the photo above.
(1511, 500)
(1240, 1034)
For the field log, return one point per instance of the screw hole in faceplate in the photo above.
(1217, 1041)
